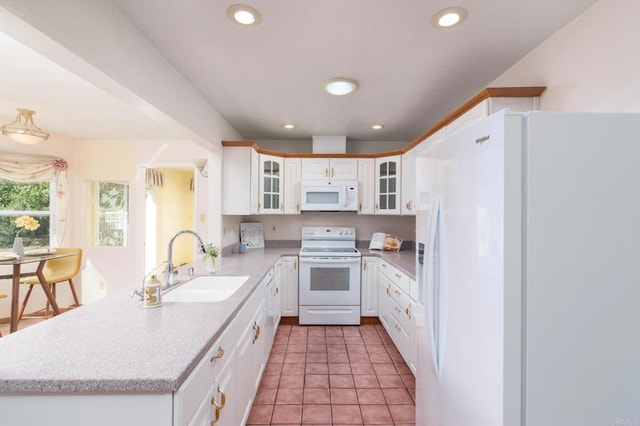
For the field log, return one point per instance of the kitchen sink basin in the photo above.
(206, 288)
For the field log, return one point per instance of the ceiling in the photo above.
(410, 73)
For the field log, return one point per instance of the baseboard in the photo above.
(363, 321)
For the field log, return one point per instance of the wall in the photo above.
(589, 65)
(289, 227)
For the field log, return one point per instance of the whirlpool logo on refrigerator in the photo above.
(482, 139)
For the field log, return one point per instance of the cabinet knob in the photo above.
(223, 397)
(217, 407)
(218, 354)
(256, 332)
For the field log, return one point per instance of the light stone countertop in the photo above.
(115, 345)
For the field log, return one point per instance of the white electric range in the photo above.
(329, 281)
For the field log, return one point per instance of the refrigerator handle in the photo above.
(436, 285)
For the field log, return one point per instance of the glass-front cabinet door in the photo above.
(388, 185)
(271, 181)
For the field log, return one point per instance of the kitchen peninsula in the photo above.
(113, 362)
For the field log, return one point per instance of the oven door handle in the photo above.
(325, 260)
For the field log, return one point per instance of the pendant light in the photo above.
(23, 129)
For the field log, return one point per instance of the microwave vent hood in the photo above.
(329, 145)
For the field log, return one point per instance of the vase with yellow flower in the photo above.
(24, 224)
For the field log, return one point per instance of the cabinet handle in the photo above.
(411, 205)
(388, 291)
(397, 292)
(256, 332)
(398, 275)
(326, 172)
(376, 206)
(258, 205)
(295, 264)
(364, 265)
(215, 404)
(297, 207)
(223, 397)
(360, 207)
(384, 265)
(406, 311)
(333, 172)
(396, 326)
(277, 290)
(398, 310)
(282, 206)
(218, 354)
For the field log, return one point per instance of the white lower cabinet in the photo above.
(251, 362)
(222, 387)
(289, 286)
(397, 311)
(369, 287)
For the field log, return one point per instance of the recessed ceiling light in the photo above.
(244, 15)
(449, 17)
(288, 125)
(339, 86)
(377, 126)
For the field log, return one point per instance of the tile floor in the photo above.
(334, 375)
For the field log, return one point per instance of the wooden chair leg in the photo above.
(73, 292)
(53, 291)
(24, 302)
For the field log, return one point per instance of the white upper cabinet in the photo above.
(292, 190)
(366, 185)
(240, 177)
(388, 181)
(330, 168)
(408, 183)
(271, 184)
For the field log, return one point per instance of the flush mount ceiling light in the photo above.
(288, 125)
(23, 130)
(339, 86)
(244, 15)
(377, 126)
(449, 17)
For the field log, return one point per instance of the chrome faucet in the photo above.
(170, 271)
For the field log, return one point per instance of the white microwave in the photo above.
(330, 195)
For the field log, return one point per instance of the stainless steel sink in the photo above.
(206, 288)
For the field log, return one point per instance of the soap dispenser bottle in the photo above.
(152, 297)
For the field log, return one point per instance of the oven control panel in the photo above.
(331, 233)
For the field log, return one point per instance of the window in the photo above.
(25, 199)
(109, 219)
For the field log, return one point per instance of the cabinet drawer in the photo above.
(406, 303)
(395, 276)
(405, 341)
(399, 312)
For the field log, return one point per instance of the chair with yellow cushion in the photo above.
(2, 296)
(56, 271)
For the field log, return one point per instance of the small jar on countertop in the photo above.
(152, 297)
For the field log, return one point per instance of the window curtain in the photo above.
(31, 168)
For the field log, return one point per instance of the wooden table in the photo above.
(17, 274)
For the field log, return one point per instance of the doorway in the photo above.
(168, 208)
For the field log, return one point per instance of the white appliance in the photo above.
(530, 227)
(329, 195)
(329, 280)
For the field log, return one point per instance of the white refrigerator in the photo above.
(528, 270)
